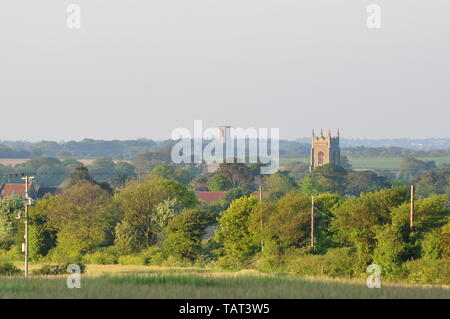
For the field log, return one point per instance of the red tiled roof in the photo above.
(210, 197)
(12, 189)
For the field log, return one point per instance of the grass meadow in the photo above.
(116, 281)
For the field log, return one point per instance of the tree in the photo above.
(411, 167)
(9, 207)
(234, 193)
(184, 235)
(389, 252)
(237, 174)
(180, 174)
(140, 203)
(78, 175)
(345, 162)
(287, 222)
(123, 172)
(218, 183)
(239, 245)
(357, 220)
(277, 185)
(128, 239)
(165, 213)
(296, 170)
(331, 178)
(311, 186)
(200, 182)
(41, 237)
(163, 171)
(81, 215)
(365, 181)
(102, 169)
(432, 182)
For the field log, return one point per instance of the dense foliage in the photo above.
(156, 218)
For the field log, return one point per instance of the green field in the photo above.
(115, 281)
(370, 162)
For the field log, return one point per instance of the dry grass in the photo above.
(115, 281)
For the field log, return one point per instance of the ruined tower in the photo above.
(325, 150)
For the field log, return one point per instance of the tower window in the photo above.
(320, 158)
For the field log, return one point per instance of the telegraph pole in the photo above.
(261, 210)
(312, 221)
(411, 213)
(28, 202)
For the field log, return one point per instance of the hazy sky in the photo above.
(142, 68)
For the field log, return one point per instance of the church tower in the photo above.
(325, 150)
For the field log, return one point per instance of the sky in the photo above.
(140, 69)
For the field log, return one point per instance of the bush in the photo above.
(103, 256)
(59, 255)
(60, 269)
(7, 269)
(10, 256)
(428, 271)
(128, 239)
(271, 259)
(132, 260)
(152, 256)
(389, 253)
(149, 256)
(337, 262)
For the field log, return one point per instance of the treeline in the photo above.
(87, 148)
(160, 221)
(127, 150)
(52, 172)
(6, 152)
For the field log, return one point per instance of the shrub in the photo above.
(149, 256)
(337, 262)
(152, 256)
(128, 239)
(428, 271)
(59, 255)
(10, 256)
(184, 235)
(433, 244)
(7, 269)
(132, 260)
(389, 252)
(271, 259)
(103, 256)
(40, 241)
(60, 269)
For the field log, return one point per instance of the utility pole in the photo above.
(312, 221)
(261, 210)
(28, 202)
(411, 213)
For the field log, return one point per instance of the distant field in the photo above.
(15, 161)
(115, 281)
(370, 162)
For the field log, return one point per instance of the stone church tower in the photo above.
(325, 150)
